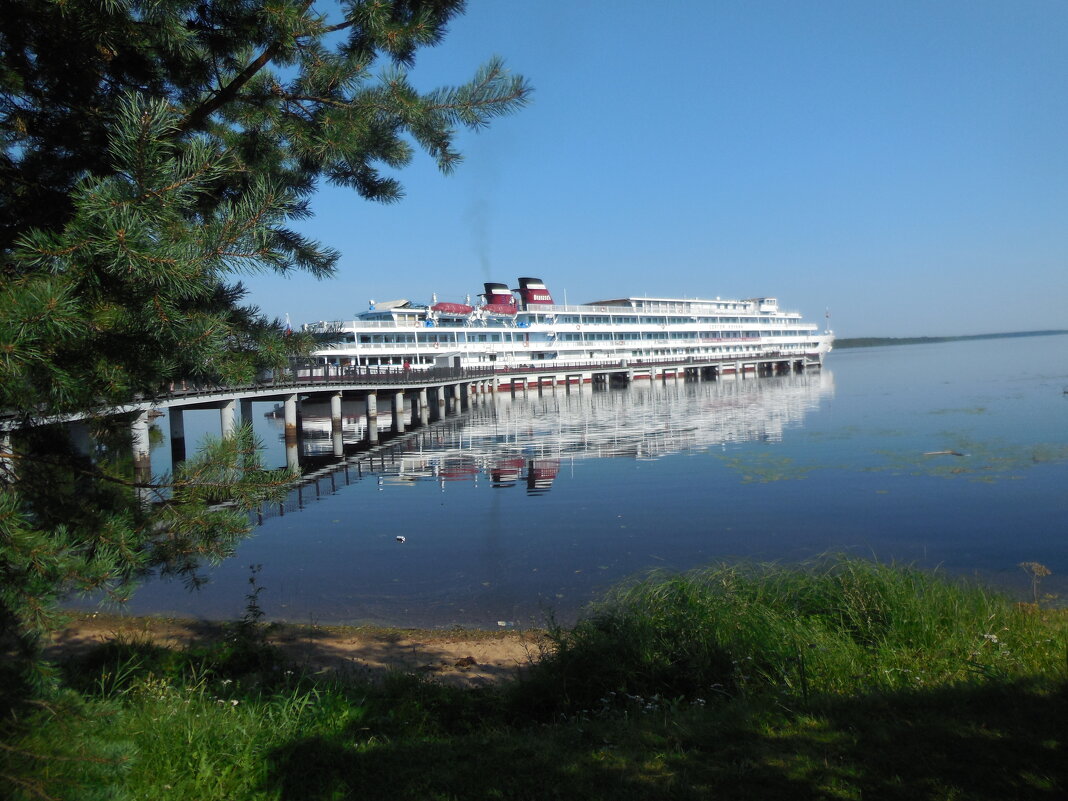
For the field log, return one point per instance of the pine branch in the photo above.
(227, 94)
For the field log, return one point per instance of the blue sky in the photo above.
(901, 163)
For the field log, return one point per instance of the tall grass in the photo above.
(838, 679)
(832, 627)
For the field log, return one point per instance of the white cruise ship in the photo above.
(523, 328)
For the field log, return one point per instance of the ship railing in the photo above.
(346, 325)
(323, 327)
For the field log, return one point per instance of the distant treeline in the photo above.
(870, 342)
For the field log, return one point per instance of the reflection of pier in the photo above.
(524, 440)
(412, 398)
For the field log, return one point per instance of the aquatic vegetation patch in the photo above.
(986, 460)
(764, 467)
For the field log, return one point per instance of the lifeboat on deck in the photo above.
(452, 309)
(498, 300)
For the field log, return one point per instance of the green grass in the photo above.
(839, 627)
(841, 680)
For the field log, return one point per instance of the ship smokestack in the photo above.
(499, 300)
(497, 294)
(533, 292)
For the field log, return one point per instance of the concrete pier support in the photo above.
(246, 411)
(335, 412)
(398, 412)
(336, 426)
(176, 422)
(424, 412)
(289, 407)
(440, 407)
(413, 418)
(372, 418)
(80, 438)
(456, 399)
(142, 457)
(228, 418)
(292, 432)
(7, 462)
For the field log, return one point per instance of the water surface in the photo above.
(951, 455)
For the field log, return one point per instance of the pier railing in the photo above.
(323, 375)
(638, 364)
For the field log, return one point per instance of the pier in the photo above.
(623, 372)
(414, 397)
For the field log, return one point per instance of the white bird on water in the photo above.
(400, 538)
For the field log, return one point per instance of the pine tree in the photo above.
(154, 151)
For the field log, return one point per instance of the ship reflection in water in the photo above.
(524, 440)
(534, 506)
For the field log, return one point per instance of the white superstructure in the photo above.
(523, 327)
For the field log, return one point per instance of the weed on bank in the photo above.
(844, 679)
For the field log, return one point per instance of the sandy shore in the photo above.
(461, 657)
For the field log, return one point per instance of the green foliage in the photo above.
(84, 529)
(837, 626)
(152, 722)
(151, 152)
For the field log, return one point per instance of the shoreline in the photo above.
(457, 656)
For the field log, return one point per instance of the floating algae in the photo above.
(766, 467)
(991, 460)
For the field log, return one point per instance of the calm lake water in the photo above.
(536, 504)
